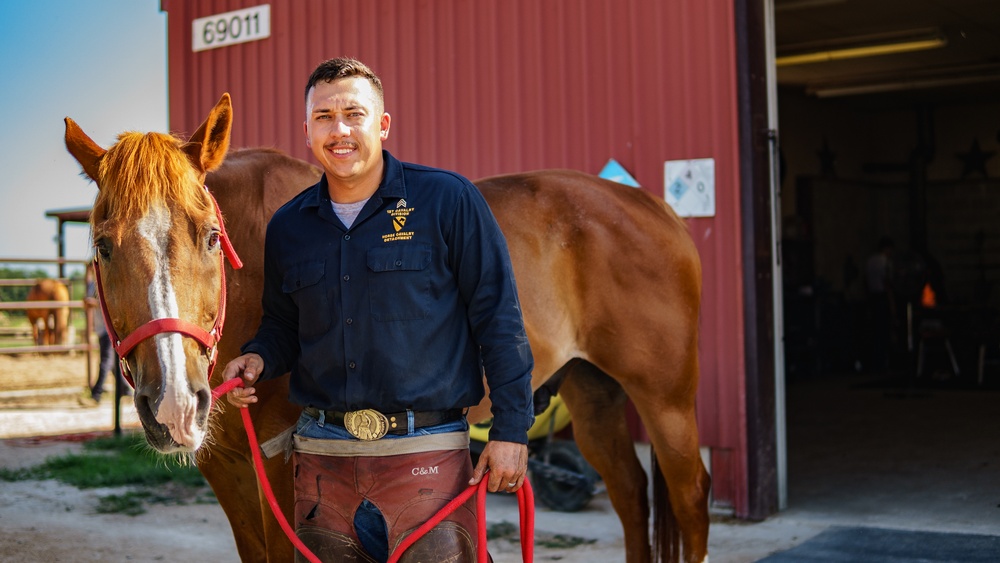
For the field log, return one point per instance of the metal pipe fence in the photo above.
(73, 305)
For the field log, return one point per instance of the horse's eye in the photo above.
(103, 249)
(213, 240)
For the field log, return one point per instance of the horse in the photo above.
(608, 277)
(49, 326)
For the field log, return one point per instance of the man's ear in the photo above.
(384, 125)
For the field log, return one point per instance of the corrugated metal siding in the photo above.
(493, 87)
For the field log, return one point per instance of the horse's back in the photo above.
(48, 290)
(257, 181)
(568, 223)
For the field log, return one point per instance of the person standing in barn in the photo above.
(881, 304)
(388, 293)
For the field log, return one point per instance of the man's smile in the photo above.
(341, 148)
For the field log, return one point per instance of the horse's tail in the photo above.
(666, 533)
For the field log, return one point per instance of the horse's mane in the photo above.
(142, 168)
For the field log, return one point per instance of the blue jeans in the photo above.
(369, 523)
(109, 364)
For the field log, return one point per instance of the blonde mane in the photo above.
(142, 168)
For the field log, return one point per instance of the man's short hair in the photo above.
(343, 67)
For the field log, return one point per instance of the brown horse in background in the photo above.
(608, 277)
(49, 326)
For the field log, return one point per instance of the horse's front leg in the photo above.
(281, 477)
(233, 481)
(228, 467)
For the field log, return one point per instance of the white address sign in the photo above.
(230, 28)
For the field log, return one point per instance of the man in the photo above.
(109, 360)
(388, 292)
(881, 303)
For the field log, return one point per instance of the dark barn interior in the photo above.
(889, 120)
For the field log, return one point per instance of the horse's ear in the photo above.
(84, 149)
(208, 146)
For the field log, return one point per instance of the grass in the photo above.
(122, 461)
(131, 503)
(511, 532)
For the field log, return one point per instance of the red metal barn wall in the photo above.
(489, 87)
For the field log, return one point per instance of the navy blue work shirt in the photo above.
(403, 310)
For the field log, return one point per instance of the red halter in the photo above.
(208, 339)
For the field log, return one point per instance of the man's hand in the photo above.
(507, 463)
(249, 366)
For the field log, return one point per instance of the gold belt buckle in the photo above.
(366, 424)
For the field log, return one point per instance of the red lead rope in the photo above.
(525, 500)
(258, 463)
(526, 505)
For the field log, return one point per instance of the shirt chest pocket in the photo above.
(399, 282)
(303, 282)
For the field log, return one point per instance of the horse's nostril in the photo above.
(145, 407)
(204, 405)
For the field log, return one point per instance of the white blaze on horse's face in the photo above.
(178, 408)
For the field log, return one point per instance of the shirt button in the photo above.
(350, 321)
(399, 263)
(352, 365)
(347, 278)
(347, 237)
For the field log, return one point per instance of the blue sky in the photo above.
(101, 62)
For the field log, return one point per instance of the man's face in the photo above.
(345, 126)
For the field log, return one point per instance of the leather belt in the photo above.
(370, 424)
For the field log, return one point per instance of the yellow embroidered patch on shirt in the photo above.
(399, 216)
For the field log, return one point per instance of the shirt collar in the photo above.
(392, 186)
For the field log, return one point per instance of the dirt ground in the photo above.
(51, 371)
(49, 521)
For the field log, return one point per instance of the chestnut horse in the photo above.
(608, 277)
(49, 326)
